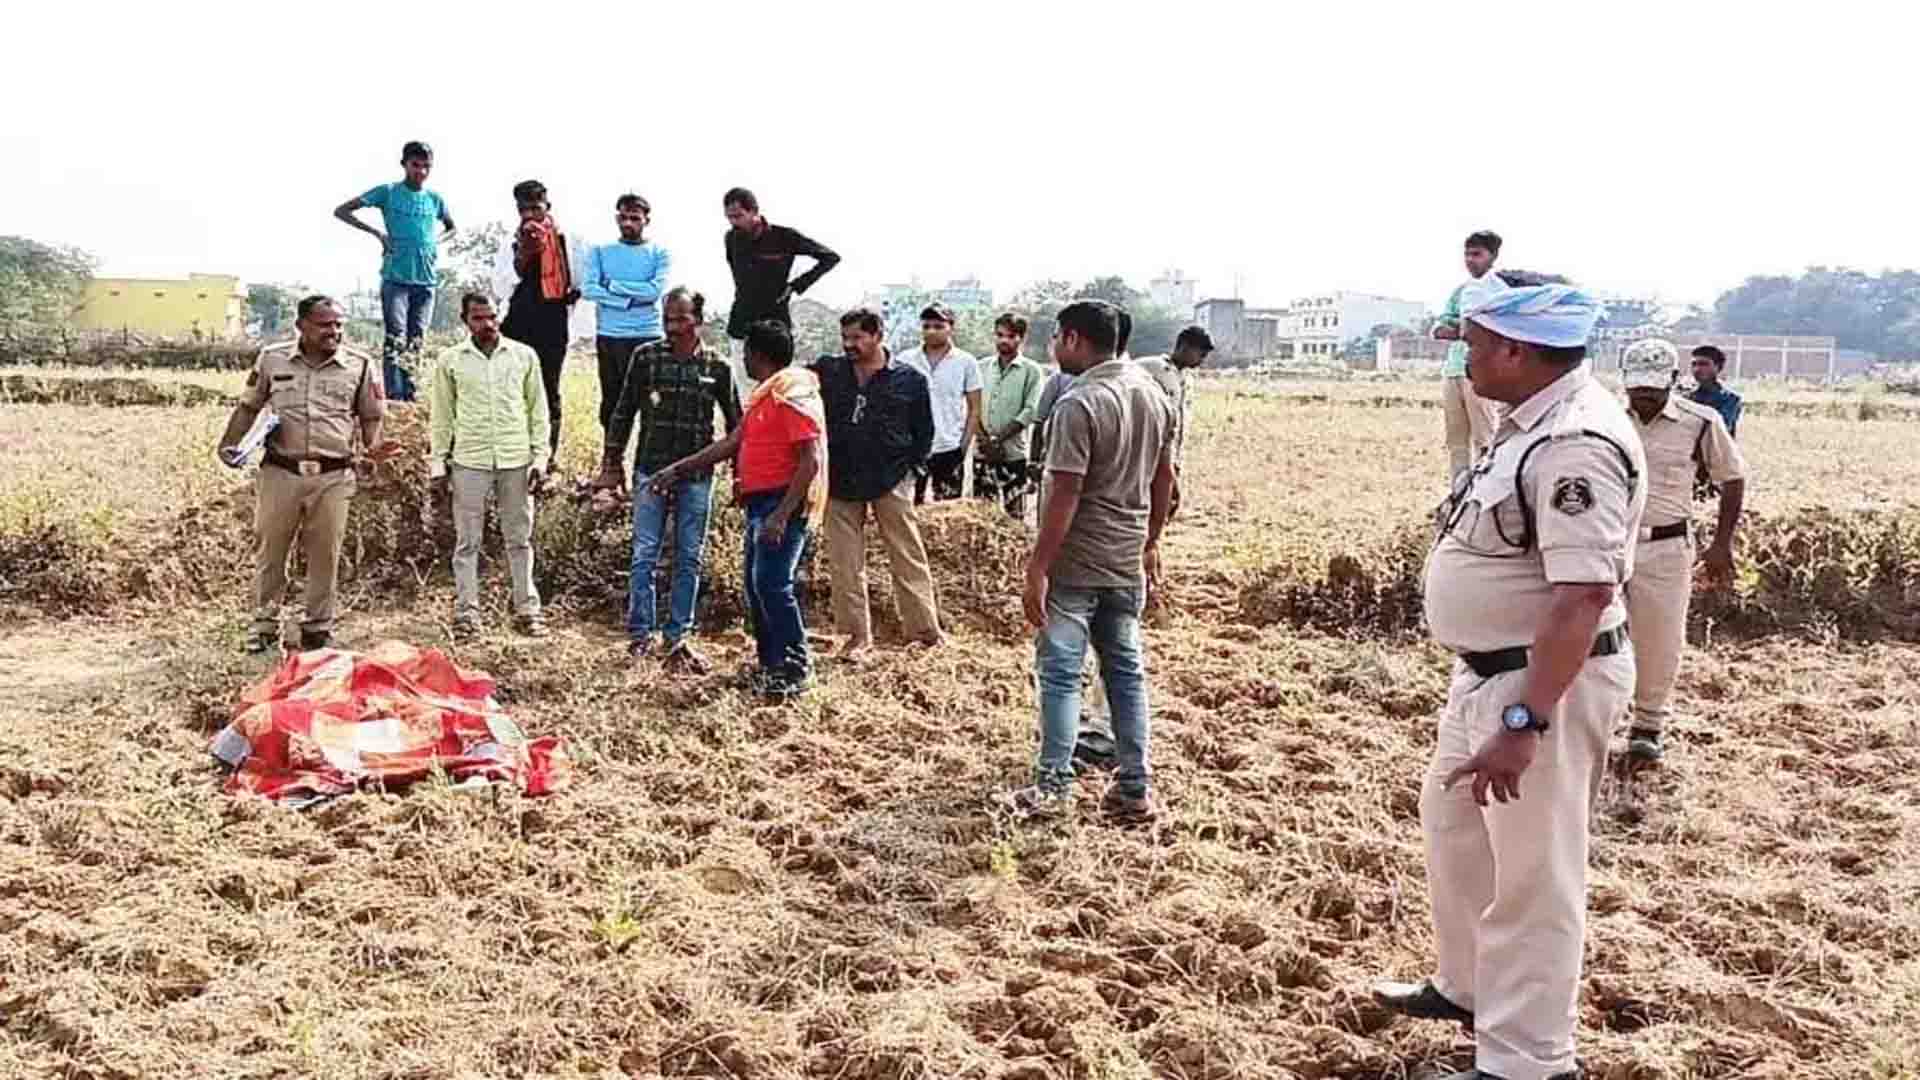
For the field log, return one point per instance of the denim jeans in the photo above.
(406, 310)
(1109, 619)
(774, 606)
(691, 500)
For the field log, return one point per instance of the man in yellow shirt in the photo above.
(489, 437)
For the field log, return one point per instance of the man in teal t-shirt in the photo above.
(1468, 419)
(408, 249)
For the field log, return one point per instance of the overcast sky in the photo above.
(1672, 147)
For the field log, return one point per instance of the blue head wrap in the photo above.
(1559, 316)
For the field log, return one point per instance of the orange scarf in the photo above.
(800, 389)
(544, 241)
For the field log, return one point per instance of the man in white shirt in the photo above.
(953, 385)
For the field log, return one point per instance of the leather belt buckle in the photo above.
(309, 468)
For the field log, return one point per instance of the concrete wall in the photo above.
(207, 305)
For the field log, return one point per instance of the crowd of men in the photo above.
(1560, 575)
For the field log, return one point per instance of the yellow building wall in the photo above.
(209, 305)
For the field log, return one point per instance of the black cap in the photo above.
(939, 311)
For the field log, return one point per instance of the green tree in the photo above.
(1114, 290)
(40, 285)
(273, 306)
(1879, 313)
(466, 266)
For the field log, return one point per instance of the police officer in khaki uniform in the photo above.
(1681, 439)
(321, 391)
(1524, 585)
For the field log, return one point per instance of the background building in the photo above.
(1241, 334)
(1173, 290)
(1321, 326)
(1749, 356)
(966, 292)
(199, 305)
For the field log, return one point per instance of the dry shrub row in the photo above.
(1861, 407)
(126, 351)
(399, 537)
(1814, 572)
(111, 391)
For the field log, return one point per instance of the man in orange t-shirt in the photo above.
(780, 458)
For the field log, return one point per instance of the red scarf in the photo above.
(543, 241)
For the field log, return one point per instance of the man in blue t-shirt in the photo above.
(408, 249)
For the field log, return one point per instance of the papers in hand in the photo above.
(236, 456)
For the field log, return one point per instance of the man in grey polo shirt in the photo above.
(1109, 487)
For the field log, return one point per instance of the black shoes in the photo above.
(1644, 747)
(1422, 1002)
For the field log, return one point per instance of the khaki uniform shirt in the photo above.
(320, 408)
(1175, 382)
(1669, 442)
(1487, 586)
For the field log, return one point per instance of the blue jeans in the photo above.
(1109, 618)
(405, 309)
(772, 603)
(691, 500)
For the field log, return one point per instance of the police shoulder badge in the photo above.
(1572, 495)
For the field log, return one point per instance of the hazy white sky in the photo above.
(1671, 147)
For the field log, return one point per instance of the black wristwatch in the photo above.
(1519, 718)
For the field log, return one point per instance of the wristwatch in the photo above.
(1519, 718)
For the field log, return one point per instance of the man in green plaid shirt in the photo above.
(672, 391)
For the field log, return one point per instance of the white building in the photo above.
(966, 292)
(1319, 327)
(1173, 291)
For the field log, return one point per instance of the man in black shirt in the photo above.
(879, 432)
(543, 295)
(761, 255)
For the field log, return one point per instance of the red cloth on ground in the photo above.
(329, 722)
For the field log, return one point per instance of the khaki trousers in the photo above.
(314, 508)
(913, 593)
(1469, 423)
(1657, 600)
(509, 489)
(1509, 882)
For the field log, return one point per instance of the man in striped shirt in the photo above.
(671, 392)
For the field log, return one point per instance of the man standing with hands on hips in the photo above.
(408, 250)
(322, 392)
(761, 255)
(1524, 585)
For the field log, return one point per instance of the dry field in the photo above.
(817, 890)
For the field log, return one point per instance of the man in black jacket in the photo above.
(761, 255)
(879, 432)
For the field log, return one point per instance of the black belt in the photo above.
(1668, 532)
(309, 467)
(1500, 661)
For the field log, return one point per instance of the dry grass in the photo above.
(817, 890)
